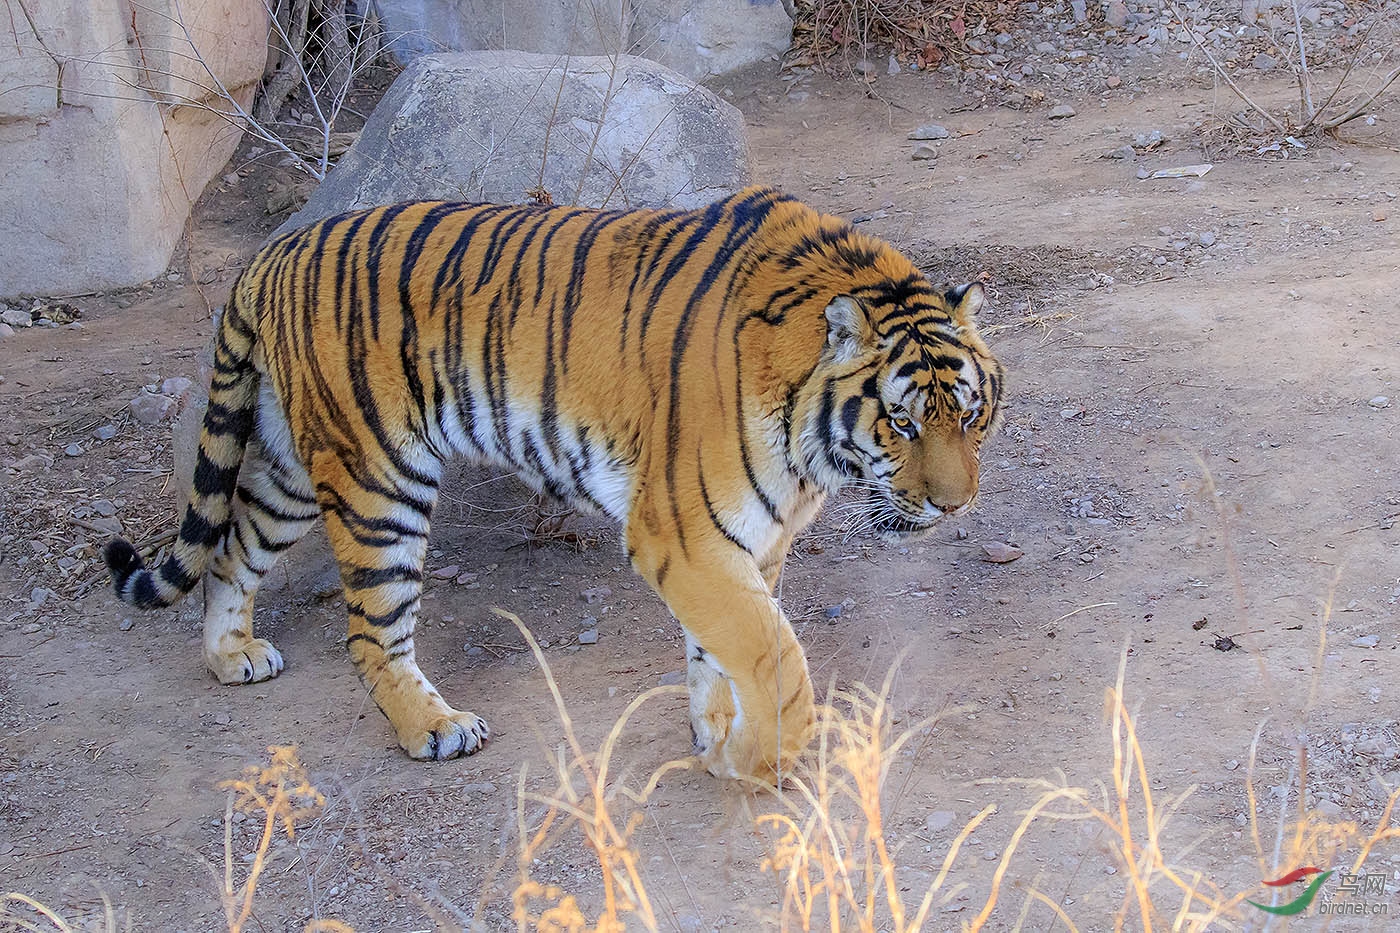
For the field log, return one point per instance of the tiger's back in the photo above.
(672, 369)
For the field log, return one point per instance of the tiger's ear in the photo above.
(965, 301)
(848, 330)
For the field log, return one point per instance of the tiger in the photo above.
(705, 377)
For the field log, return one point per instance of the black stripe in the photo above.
(363, 578)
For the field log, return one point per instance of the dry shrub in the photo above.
(836, 868)
(922, 32)
(587, 797)
(281, 795)
(1364, 56)
(831, 855)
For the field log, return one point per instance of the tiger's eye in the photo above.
(901, 422)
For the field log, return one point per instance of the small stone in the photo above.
(930, 131)
(893, 67)
(865, 68)
(73, 450)
(671, 678)
(150, 408)
(17, 318)
(1080, 8)
(466, 578)
(1232, 765)
(690, 923)
(991, 855)
(960, 534)
(1143, 173)
(6, 330)
(1366, 641)
(588, 637)
(474, 651)
(108, 525)
(1378, 215)
(596, 594)
(1116, 14)
(175, 386)
(447, 573)
(832, 612)
(1265, 62)
(38, 596)
(33, 628)
(35, 462)
(1207, 239)
(939, 820)
(1113, 82)
(1125, 153)
(1062, 112)
(231, 179)
(1379, 401)
(105, 432)
(125, 625)
(924, 151)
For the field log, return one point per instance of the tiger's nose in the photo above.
(934, 510)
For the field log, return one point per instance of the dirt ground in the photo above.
(1202, 443)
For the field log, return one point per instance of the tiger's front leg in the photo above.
(750, 695)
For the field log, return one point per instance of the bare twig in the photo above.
(1304, 79)
(1239, 92)
(1363, 105)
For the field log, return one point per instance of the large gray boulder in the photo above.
(110, 128)
(697, 38)
(492, 126)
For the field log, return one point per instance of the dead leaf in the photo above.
(998, 552)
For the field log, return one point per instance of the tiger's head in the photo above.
(900, 401)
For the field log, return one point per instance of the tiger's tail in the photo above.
(228, 424)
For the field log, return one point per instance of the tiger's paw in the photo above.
(246, 663)
(746, 745)
(711, 701)
(455, 734)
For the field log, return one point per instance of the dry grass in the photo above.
(836, 868)
(281, 795)
(830, 33)
(278, 793)
(830, 851)
(831, 854)
(607, 812)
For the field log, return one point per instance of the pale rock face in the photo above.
(104, 155)
(490, 126)
(697, 38)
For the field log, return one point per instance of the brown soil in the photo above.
(1190, 453)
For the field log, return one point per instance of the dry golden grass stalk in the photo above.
(281, 795)
(586, 797)
(23, 914)
(831, 855)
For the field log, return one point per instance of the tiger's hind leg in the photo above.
(379, 532)
(273, 508)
